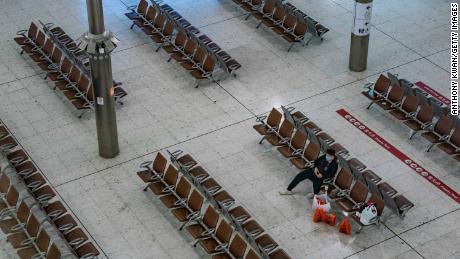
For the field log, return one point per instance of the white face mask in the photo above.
(329, 158)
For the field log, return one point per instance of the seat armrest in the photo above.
(21, 32)
(145, 164)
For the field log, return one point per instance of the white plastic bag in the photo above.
(316, 203)
(368, 215)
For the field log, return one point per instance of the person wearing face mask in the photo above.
(324, 167)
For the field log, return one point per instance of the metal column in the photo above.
(360, 35)
(99, 43)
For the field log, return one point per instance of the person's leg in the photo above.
(306, 174)
(317, 183)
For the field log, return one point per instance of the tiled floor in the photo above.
(214, 124)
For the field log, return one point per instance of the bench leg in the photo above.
(369, 106)
(247, 16)
(412, 133)
(258, 25)
(429, 148)
(290, 47)
(132, 25)
(260, 142)
(308, 41)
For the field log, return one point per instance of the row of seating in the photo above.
(284, 19)
(293, 143)
(78, 57)
(299, 139)
(202, 57)
(417, 112)
(162, 180)
(73, 83)
(227, 63)
(24, 188)
(186, 206)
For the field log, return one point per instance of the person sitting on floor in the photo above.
(324, 167)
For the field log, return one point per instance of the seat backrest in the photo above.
(286, 129)
(40, 39)
(300, 27)
(390, 203)
(210, 217)
(190, 47)
(180, 39)
(33, 226)
(200, 55)
(396, 94)
(170, 177)
(4, 183)
(279, 13)
(23, 212)
(48, 47)
(66, 66)
(32, 32)
(382, 84)
(224, 231)
(238, 246)
(150, 15)
(142, 7)
(160, 21)
(74, 75)
(252, 255)
(426, 113)
(269, 6)
(43, 240)
(53, 252)
(444, 125)
(195, 201)
(87, 249)
(159, 163)
(359, 192)
(256, 2)
(410, 103)
(209, 63)
(12, 196)
(298, 140)
(183, 187)
(312, 151)
(57, 54)
(455, 137)
(169, 28)
(274, 118)
(344, 179)
(290, 20)
(83, 84)
(76, 235)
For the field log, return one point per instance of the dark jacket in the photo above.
(326, 169)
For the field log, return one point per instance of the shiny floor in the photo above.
(214, 124)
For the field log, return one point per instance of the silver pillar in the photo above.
(99, 43)
(359, 45)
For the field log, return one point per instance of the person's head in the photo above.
(330, 155)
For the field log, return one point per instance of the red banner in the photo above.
(433, 93)
(401, 156)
